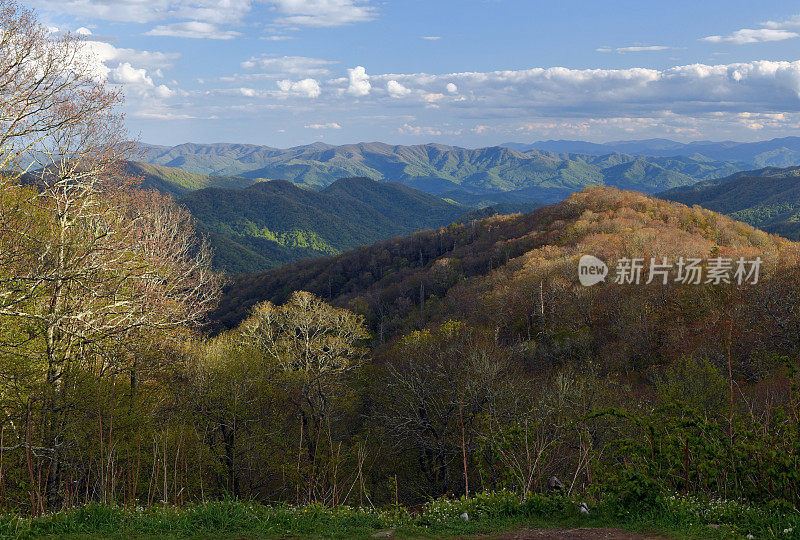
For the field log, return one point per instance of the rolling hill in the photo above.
(439, 169)
(768, 198)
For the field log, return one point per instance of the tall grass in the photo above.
(485, 513)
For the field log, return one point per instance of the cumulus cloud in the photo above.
(192, 29)
(757, 84)
(408, 129)
(752, 35)
(292, 65)
(397, 90)
(109, 54)
(133, 70)
(136, 79)
(323, 12)
(359, 82)
(307, 88)
(451, 88)
(329, 125)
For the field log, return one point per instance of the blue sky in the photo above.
(464, 72)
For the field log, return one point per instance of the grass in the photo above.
(488, 513)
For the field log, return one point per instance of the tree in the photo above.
(90, 266)
(54, 107)
(317, 346)
(438, 387)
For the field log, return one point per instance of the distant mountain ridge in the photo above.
(780, 152)
(179, 182)
(536, 174)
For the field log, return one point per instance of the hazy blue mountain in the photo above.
(782, 152)
(536, 174)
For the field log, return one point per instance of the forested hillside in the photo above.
(272, 223)
(539, 175)
(767, 198)
(486, 312)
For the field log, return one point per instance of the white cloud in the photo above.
(791, 22)
(83, 31)
(109, 54)
(433, 97)
(329, 125)
(635, 48)
(359, 82)
(408, 129)
(432, 38)
(323, 12)
(143, 11)
(136, 79)
(752, 35)
(397, 90)
(451, 88)
(192, 29)
(754, 85)
(292, 65)
(643, 48)
(307, 87)
(130, 69)
(277, 38)
(250, 92)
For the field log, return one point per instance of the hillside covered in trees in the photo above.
(767, 198)
(481, 314)
(276, 222)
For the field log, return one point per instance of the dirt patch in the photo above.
(573, 534)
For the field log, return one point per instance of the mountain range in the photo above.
(781, 152)
(319, 208)
(444, 170)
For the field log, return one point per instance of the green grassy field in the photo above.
(488, 513)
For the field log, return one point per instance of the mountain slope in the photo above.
(437, 169)
(767, 198)
(275, 222)
(490, 272)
